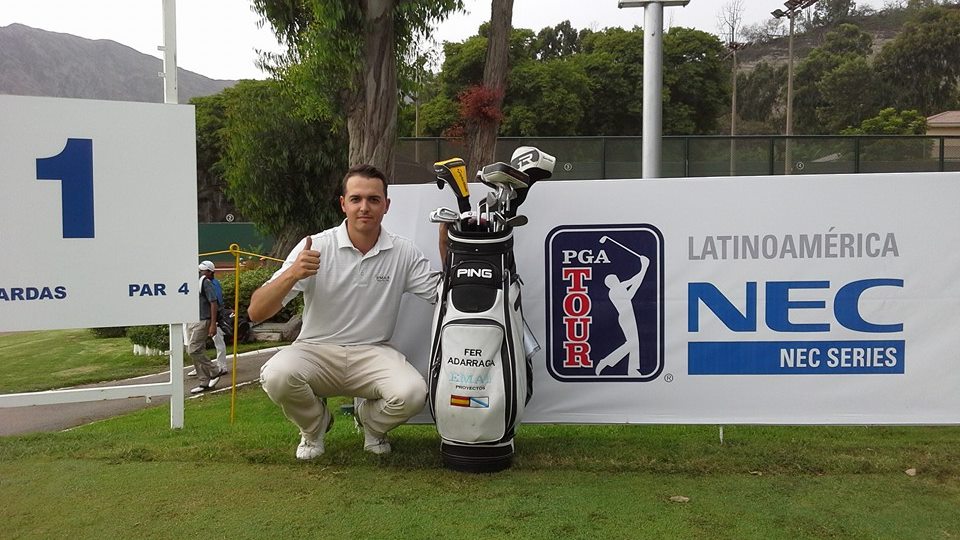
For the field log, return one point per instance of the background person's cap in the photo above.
(207, 266)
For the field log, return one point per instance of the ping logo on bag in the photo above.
(604, 286)
(477, 272)
(485, 273)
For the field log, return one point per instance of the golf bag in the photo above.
(225, 323)
(480, 377)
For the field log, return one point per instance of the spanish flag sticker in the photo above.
(481, 402)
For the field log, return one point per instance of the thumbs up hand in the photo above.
(308, 261)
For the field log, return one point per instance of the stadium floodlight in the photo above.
(793, 9)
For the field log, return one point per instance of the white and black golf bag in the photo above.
(480, 377)
(481, 351)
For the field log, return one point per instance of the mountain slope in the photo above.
(36, 62)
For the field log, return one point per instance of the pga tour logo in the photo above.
(604, 303)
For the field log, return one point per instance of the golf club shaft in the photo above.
(621, 245)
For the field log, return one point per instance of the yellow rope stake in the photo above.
(235, 251)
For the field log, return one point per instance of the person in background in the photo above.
(218, 342)
(208, 271)
(198, 332)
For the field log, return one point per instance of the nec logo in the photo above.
(484, 273)
(778, 305)
(604, 303)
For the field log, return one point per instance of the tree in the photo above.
(763, 32)
(462, 69)
(212, 202)
(482, 126)
(547, 98)
(559, 41)
(613, 59)
(341, 61)
(462, 65)
(849, 95)
(891, 122)
(695, 82)
(760, 98)
(596, 91)
(831, 12)
(845, 44)
(730, 20)
(921, 66)
(438, 115)
(417, 84)
(282, 171)
(695, 88)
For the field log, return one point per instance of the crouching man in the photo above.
(352, 278)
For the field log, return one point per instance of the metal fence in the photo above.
(586, 158)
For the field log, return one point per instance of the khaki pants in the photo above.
(297, 377)
(196, 348)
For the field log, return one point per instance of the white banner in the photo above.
(829, 299)
(99, 222)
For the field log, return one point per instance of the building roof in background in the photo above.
(944, 119)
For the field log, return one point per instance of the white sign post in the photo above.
(100, 227)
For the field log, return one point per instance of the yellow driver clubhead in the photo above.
(453, 171)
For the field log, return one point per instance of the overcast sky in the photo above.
(219, 38)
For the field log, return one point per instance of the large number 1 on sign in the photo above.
(73, 166)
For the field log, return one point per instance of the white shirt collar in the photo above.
(383, 241)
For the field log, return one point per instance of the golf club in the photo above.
(500, 173)
(490, 205)
(533, 162)
(516, 221)
(444, 215)
(603, 239)
(453, 171)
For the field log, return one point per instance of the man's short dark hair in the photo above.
(366, 171)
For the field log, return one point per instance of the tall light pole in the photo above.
(794, 7)
(652, 136)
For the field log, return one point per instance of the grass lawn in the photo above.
(50, 359)
(134, 477)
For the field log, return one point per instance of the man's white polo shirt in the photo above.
(354, 299)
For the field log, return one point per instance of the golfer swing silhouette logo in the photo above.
(605, 303)
(621, 295)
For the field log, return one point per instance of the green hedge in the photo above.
(155, 336)
(250, 280)
(113, 332)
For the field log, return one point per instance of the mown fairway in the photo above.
(134, 477)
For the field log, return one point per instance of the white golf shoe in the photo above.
(311, 447)
(373, 442)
